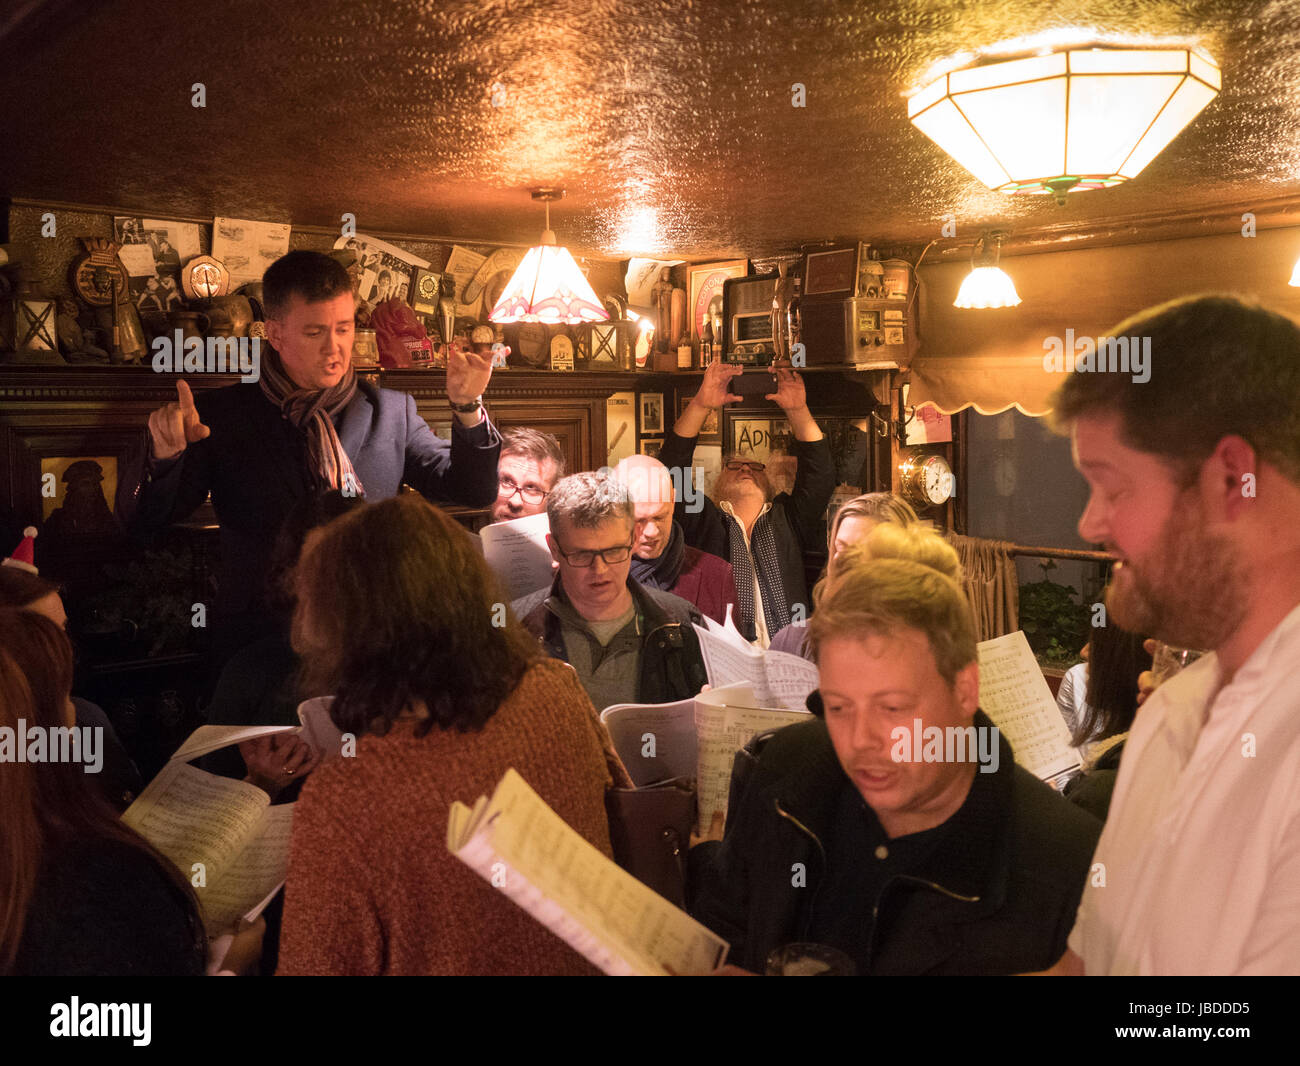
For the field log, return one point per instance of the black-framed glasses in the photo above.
(737, 465)
(507, 488)
(584, 557)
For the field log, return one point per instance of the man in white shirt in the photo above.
(1195, 487)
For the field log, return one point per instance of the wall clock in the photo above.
(927, 480)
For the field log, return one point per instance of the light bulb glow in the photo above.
(986, 287)
(548, 287)
(1295, 274)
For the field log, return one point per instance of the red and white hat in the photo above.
(24, 555)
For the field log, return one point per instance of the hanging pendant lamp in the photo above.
(1068, 121)
(987, 285)
(548, 286)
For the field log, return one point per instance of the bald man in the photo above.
(661, 557)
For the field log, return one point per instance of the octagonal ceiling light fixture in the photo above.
(1066, 121)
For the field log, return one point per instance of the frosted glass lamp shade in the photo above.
(1073, 120)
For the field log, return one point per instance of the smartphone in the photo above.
(752, 383)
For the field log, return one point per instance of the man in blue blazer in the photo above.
(309, 424)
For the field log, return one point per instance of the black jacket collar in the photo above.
(974, 859)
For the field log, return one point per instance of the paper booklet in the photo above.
(517, 553)
(1014, 693)
(224, 835)
(778, 678)
(695, 738)
(518, 844)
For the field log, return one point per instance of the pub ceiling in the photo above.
(670, 124)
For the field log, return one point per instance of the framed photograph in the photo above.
(651, 445)
(620, 426)
(652, 413)
(711, 431)
(704, 283)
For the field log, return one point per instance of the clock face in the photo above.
(936, 480)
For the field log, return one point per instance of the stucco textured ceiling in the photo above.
(670, 124)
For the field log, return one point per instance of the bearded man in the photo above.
(1195, 488)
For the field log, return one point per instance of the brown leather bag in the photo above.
(650, 830)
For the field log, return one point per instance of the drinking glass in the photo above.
(1168, 660)
(809, 960)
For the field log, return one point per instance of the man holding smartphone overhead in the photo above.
(762, 535)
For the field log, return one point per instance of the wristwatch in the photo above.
(466, 408)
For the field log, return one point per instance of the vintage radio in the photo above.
(842, 327)
(747, 320)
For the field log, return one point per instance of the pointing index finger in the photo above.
(186, 397)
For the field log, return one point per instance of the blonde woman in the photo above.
(851, 523)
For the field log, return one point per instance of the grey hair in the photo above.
(585, 500)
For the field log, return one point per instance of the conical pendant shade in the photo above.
(548, 287)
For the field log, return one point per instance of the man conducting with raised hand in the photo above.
(661, 558)
(309, 424)
(763, 537)
(1195, 487)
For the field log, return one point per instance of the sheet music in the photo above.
(777, 678)
(675, 745)
(1014, 693)
(726, 720)
(210, 738)
(602, 911)
(517, 553)
(250, 882)
(727, 630)
(193, 816)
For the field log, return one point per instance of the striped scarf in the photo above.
(313, 411)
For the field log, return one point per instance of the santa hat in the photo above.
(24, 556)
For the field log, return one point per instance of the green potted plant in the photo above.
(1055, 625)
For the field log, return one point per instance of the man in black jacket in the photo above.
(628, 643)
(310, 424)
(895, 826)
(763, 537)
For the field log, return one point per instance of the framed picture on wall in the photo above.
(651, 446)
(704, 283)
(711, 431)
(652, 413)
(620, 426)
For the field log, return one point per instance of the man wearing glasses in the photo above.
(628, 643)
(531, 463)
(763, 537)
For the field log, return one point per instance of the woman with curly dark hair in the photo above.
(399, 617)
(80, 893)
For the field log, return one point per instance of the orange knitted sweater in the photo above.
(372, 888)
